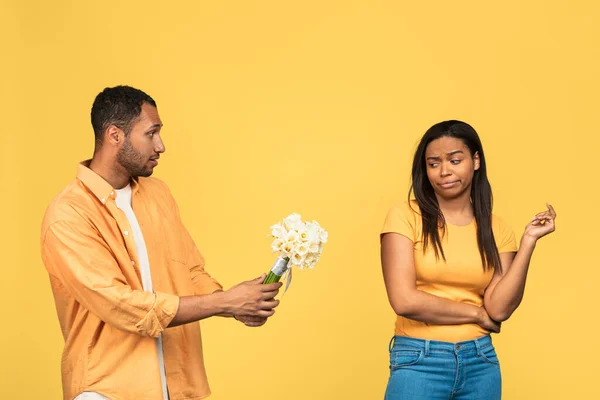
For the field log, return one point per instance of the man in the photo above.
(127, 278)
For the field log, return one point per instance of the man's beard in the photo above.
(133, 162)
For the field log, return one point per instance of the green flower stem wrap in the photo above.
(277, 271)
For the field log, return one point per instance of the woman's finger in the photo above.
(545, 217)
(538, 221)
(551, 209)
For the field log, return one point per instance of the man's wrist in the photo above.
(218, 299)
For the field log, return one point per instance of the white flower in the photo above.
(297, 260)
(278, 231)
(323, 235)
(303, 234)
(312, 232)
(314, 261)
(291, 237)
(292, 222)
(287, 248)
(310, 260)
(302, 249)
(300, 242)
(276, 245)
(313, 247)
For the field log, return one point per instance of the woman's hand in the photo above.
(486, 322)
(542, 224)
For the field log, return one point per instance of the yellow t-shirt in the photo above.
(461, 278)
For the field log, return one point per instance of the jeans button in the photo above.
(458, 347)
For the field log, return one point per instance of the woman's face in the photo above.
(450, 167)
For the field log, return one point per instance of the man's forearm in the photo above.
(195, 308)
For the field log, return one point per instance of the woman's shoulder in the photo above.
(499, 224)
(404, 218)
(407, 209)
(497, 219)
(503, 234)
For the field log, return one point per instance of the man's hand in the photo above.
(252, 321)
(247, 299)
(252, 299)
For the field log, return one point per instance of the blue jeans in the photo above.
(428, 369)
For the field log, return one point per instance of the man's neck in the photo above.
(110, 171)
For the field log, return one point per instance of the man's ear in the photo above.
(114, 136)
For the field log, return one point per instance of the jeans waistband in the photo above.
(435, 345)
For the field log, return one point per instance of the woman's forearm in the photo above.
(431, 309)
(508, 292)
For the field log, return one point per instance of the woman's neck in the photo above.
(457, 211)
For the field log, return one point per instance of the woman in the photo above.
(452, 272)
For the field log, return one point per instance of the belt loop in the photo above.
(478, 347)
(426, 348)
(391, 345)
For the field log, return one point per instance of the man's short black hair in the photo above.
(119, 106)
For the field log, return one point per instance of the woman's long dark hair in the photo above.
(481, 194)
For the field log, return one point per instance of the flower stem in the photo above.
(280, 266)
(271, 278)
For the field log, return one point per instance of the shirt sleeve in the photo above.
(505, 237)
(79, 258)
(400, 219)
(203, 282)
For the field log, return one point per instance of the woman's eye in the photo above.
(433, 165)
(455, 162)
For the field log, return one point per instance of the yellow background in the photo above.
(314, 107)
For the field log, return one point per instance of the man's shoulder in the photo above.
(156, 191)
(152, 183)
(69, 205)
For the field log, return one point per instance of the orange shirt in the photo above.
(108, 322)
(461, 278)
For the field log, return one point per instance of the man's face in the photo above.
(141, 149)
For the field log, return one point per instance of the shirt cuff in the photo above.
(160, 316)
(207, 287)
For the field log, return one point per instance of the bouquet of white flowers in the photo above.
(299, 244)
